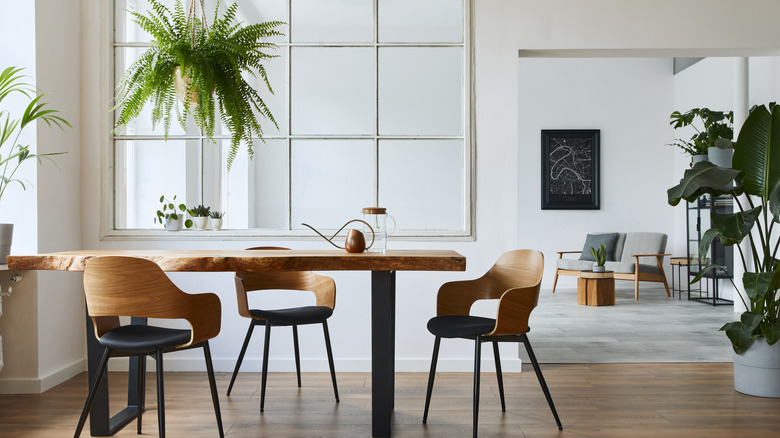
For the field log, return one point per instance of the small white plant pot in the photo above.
(172, 224)
(215, 224)
(200, 222)
(597, 268)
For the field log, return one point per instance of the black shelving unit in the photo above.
(698, 222)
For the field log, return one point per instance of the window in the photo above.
(373, 102)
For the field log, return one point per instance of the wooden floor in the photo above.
(593, 400)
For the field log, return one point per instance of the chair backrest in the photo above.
(515, 279)
(643, 243)
(323, 287)
(129, 286)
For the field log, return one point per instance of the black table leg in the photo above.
(100, 422)
(382, 352)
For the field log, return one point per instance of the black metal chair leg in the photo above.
(241, 355)
(431, 376)
(141, 389)
(92, 392)
(330, 359)
(541, 379)
(499, 375)
(160, 395)
(297, 354)
(213, 386)
(477, 360)
(265, 364)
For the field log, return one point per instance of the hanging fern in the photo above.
(213, 58)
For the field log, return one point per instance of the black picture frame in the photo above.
(570, 169)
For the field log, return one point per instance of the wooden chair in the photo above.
(515, 281)
(324, 289)
(127, 286)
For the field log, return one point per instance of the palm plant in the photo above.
(11, 158)
(212, 59)
(756, 171)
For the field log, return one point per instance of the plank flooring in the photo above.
(593, 400)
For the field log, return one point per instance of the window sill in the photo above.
(258, 234)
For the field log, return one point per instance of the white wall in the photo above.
(507, 217)
(629, 100)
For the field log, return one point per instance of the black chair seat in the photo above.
(460, 326)
(297, 315)
(142, 338)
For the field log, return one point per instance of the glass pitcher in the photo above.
(377, 218)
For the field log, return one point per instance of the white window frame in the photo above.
(109, 232)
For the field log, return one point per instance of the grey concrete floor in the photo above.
(654, 329)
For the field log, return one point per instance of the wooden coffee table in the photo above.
(596, 288)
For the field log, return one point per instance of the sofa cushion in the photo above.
(596, 240)
(628, 268)
(575, 265)
(643, 243)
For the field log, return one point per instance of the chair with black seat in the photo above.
(515, 281)
(128, 286)
(324, 289)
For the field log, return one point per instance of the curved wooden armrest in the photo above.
(561, 253)
(456, 297)
(514, 308)
(204, 313)
(649, 255)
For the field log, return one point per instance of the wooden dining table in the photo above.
(383, 267)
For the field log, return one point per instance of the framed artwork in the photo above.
(570, 169)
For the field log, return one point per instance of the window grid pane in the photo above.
(403, 38)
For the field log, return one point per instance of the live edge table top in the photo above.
(254, 260)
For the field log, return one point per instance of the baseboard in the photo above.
(174, 364)
(37, 385)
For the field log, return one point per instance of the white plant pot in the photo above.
(200, 222)
(698, 158)
(597, 268)
(6, 236)
(720, 157)
(215, 224)
(174, 224)
(757, 371)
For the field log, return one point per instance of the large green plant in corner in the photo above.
(756, 174)
(213, 60)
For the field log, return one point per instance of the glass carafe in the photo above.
(377, 218)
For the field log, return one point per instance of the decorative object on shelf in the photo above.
(215, 220)
(356, 241)
(212, 63)
(755, 164)
(716, 134)
(600, 255)
(171, 216)
(12, 157)
(200, 216)
(377, 217)
(570, 169)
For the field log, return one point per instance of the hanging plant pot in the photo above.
(6, 236)
(182, 83)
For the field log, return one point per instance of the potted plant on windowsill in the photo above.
(712, 142)
(171, 216)
(200, 216)
(11, 127)
(213, 61)
(754, 184)
(215, 220)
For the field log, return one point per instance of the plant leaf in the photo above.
(757, 153)
(757, 284)
(771, 331)
(750, 321)
(740, 338)
(704, 177)
(734, 227)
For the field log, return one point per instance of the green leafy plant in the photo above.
(199, 211)
(716, 129)
(217, 214)
(599, 254)
(213, 60)
(11, 128)
(169, 210)
(755, 174)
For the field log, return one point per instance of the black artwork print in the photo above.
(571, 166)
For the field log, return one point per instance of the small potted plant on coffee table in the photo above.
(200, 216)
(600, 255)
